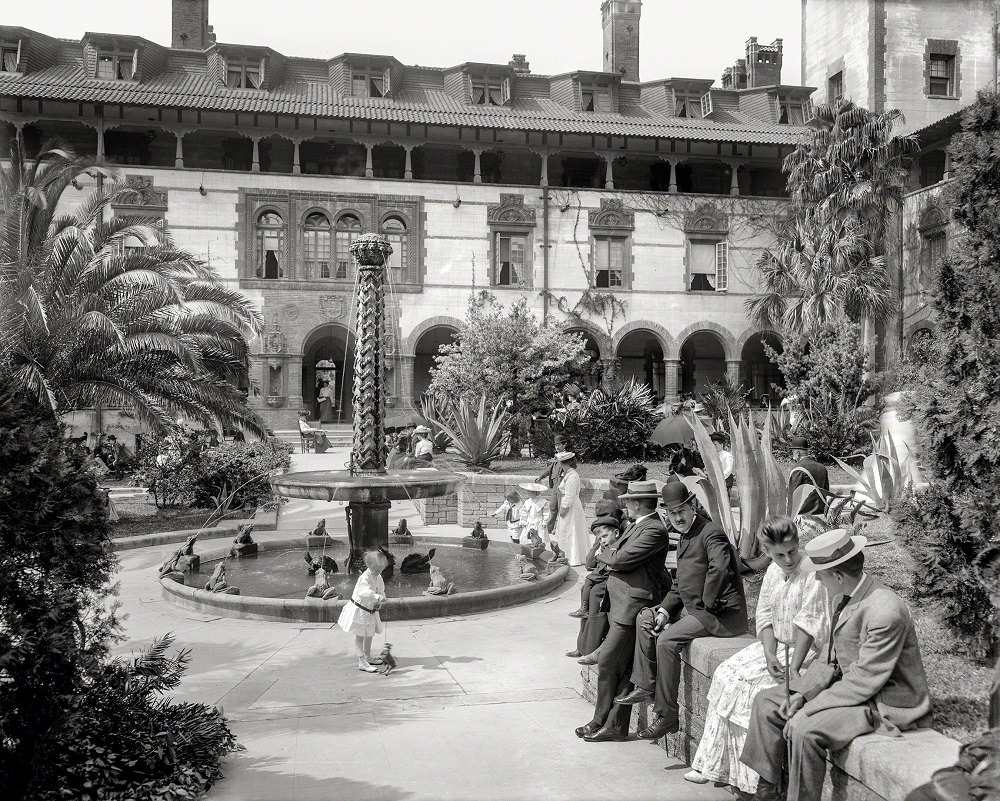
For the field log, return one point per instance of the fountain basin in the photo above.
(340, 485)
(314, 610)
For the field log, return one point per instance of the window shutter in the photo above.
(135, 64)
(224, 71)
(808, 111)
(386, 81)
(18, 65)
(706, 104)
(721, 266)
(496, 259)
(602, 99)
(260, 78)
(505, 92)
(593, 261)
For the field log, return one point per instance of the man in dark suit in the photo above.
(635, 577)
(708, 588)
(807, 471)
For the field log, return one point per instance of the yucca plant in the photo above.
(883, 477)
(431, 409)
(477, 437)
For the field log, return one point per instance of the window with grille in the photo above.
(936, 245)
(244, 73)
(835, 88)
(10, 55)
(708, 269)
(369, 82)
(394, 229)
(609, 262)
(510, 250)
(316, 245)
(941, 75)
(270, 245)
(116, 65)
(348, 229)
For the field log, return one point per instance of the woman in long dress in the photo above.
(792, 621)
(570, 535)
(326, 396)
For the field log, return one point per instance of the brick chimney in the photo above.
(763, 63)
(519, 63)
(189, 25)
(620, 19)
(735, 77)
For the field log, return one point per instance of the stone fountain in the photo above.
(367, 486)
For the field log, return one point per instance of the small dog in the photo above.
(387, 659)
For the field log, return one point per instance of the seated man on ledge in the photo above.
(321, 444)
(871, 678)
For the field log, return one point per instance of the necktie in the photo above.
(844, 601)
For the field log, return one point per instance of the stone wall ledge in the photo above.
(872, 768)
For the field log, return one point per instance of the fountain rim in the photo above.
(342, 485)
(315, 610)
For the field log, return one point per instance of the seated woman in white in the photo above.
(424, 449)
(793, 622)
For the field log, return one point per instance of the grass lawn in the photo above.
(959, 683)
(139, 517)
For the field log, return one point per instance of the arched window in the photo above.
(270, 245)
(348, 229)
(395, 230)
(316, 236)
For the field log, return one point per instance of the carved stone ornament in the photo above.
(510, 211)
(706, 219)
(932, 219)
(274, 339)
(275, 401)
(613, 215)
(390, 344)
(333, 307)
(149, 197)
(291, 311)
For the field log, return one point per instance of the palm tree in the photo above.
(846, 181)
(86, 320)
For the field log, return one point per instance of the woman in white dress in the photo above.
(360, 615)
(571, 525)
(793, 622)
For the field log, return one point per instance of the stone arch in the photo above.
(669, 345)
(759, 374)
(747, 335)
(409, 346)
(333, 342)
(925, 322)
(727, 339)
(604, 348)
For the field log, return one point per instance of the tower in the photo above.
(763, 63)
(620, 19)
(189, 25)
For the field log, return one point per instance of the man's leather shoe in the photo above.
(579, 613)
(637, 696)
(767, 792)
(657, 729)
(604, 735)
(590, 728)
(574, 654)
(587, 660)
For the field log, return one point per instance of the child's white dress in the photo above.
(357, 620)
(534, 513)
(510, 513)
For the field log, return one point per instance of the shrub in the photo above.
(610, 424)
(722, 400)
(477, 437)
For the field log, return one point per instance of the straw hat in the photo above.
(831, 548)
(565, 456)
(641, 489)
(531, 486)
(421, 430)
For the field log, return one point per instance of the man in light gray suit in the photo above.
(872, 679)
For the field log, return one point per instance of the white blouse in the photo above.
(787, 602)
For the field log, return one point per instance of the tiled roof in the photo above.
(410, 105)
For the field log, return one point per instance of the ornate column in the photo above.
(477, 168)
(609, 175)
(733, 372)
(296, 163)
(544, 180)
(179, 152)
(255, 159)
(408, 166)
(369, 164)
(672, 186)
(671, 380)
(100, 140)
(734, 177)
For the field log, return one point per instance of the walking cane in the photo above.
(788, 699)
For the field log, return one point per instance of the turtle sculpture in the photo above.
(416, 563)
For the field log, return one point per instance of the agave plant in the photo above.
(431, 409)
(884, 476)
(477, 437)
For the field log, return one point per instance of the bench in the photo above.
(872, 768)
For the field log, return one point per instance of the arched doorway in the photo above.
(758, 372)
(328, 354)
(589, 376)
(427, 347)
(703, 362)
(640, 356)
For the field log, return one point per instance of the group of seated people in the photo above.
(835, 654)
(411, 448)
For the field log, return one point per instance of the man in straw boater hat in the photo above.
(636, 576)
(708, 588)
(869, 678)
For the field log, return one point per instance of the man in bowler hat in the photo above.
(636, 576)
(807, 471)
(708, 588)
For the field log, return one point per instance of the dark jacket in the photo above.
(816, 503)
(635, 567)
(708, 582)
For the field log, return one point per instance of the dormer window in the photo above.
(114, 64)
(369, 82)
(244, 72)
(10, 55)
(491, 91)
(594, 97)
(687, 104)
(791, 112)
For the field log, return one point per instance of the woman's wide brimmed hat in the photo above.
(565, 456)
(641, 489)
(421, 430)
(675, 493)
(831, 548)
(531, 486)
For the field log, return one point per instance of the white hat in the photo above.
(565, 456)
(533, 487)
(421, 430)
(831, 548)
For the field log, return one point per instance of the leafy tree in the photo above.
(86, 320)
(954, 394)
(506, 355)
(846, 180)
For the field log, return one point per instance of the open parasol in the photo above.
(672, 430)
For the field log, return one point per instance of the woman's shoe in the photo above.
(695, 777)
(589, 659)
(366, 666)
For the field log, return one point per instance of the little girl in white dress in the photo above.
(360, 615)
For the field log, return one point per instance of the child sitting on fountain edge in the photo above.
(360, 615)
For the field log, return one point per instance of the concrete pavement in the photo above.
(480, 707)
